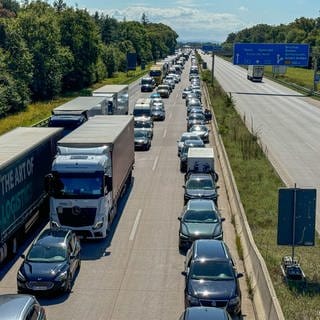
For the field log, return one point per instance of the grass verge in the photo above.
(258, 185)
(37, 111)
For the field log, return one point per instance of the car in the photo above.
(142, 140)
(157, 101)
(195, 119)
(205, 313)
(154, 95)
(184, 152)
(163, 90)
(190, 96)
(51, 263)
(170, 82)
(177, 77)
(147, 84)
(211, 278)
(202, 131)
(200, 219)
(158, 112)
(186, 136)
(145, 125)
(21, 307)
(200, 186)
(185, 91)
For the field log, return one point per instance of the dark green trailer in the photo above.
(26, 155)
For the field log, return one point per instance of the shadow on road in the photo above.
(95, 249)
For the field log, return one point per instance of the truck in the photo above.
(74, 113)
(91, 172)
(26, 155)
(117, 96)
(255, 73)
(201, 160)
(142, 109)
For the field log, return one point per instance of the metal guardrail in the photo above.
(265, 301)
(308, 91)
(42, 123)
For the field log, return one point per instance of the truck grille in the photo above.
(77, 217)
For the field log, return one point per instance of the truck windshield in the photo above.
(78, 185)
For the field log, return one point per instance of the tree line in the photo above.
(46, 50)
(302, 30)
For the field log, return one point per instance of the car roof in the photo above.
(190, 143)
(13, 306)
(200, 204)
(204, 313)
(52, 236)
(210, 249)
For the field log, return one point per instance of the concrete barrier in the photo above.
(265, 301)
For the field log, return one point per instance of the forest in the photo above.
(302, 30)
(46, 50)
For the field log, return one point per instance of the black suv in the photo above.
(51, 263)
(203, 313)
(211, 277)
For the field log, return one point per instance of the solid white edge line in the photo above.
(155, 163)
(135, 225)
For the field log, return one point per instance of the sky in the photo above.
(205, 20)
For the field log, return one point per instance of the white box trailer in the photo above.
(117, 96)
(200, 160)
(255, 73)
(92, 170)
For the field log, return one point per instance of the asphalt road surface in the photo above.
(287, 123)
(136, 272)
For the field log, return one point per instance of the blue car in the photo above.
(50, 264)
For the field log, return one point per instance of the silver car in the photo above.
(186, 136)
(20, 307)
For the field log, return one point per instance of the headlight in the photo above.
(54, 224)
(192, 300)
(98, 225)
(62, 276)
(20, 276)
(235, 300)
(181, 235)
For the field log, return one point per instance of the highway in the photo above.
(136, 272)
(287, 123)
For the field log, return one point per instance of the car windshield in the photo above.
(206, 184)
(184, 138)
(41, 253)
(211, 270)
(142, 124)
(140, 134)
(196, 116)
(198, 128)
(146, 81)
(141, 112)
(200, 216)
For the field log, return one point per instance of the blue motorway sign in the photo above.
(288, 54)
(210, 48)
(296, 216)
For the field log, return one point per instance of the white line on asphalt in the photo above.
(155, 163)
(135, 225)
(164, 133)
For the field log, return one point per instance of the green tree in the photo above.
(80, 35)
(40, 30)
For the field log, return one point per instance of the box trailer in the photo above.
(117, 96)
(26, 155)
